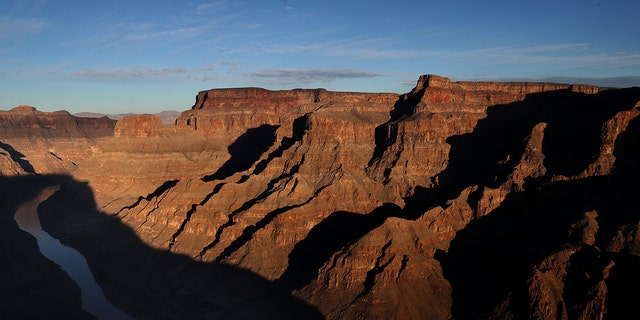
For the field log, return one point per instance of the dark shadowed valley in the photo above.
(456, 200)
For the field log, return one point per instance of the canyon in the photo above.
(456, 200)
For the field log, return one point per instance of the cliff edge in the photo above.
(380, 205)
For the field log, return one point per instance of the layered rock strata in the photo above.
(49, 142)
(456, 200)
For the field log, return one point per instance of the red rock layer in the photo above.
(227, 113)
(394, 206)
(51, 142)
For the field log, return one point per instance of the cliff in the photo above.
(228, 113)
(26, 121)
(378, 205)
(49, 142)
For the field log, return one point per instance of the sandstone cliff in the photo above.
(457, 200)
(49, 142)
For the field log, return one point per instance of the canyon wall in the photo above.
(456, 200)
(48, 142)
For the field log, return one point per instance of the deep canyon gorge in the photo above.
(456, 200)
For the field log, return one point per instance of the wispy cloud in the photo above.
(29, 4)
(129, 73)
(370, 49)
(570, 55)
(205, 8)
(185, 28)
(564, 55)
(12, 27)
(206, 72)
(618, 82)
(381, 48)
(312, 75)
(168, 33)
(219, 71)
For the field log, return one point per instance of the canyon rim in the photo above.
(457, 200)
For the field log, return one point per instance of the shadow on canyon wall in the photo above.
(33, 287)
(245, 151)
(249, 147)
(17, 157)
(489, 259)
(487, 155)
(143, 281)
(494, 255)
(339, 230)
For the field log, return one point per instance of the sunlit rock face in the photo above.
(50, 142)
(455, 200)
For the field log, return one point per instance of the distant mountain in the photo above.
(168, 117)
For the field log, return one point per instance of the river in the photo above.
(70, 260)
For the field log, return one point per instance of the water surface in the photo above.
(70, 260)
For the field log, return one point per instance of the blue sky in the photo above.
(148, 56)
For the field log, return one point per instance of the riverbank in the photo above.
(33, 287)
(70, 260)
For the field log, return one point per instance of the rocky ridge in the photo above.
(168, 117)
(382, 205)
(49, 142)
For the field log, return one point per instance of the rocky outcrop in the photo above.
(228, 113)
(439, 94)
(26, 121)
(142, 155)
(50, 142)
(382, 205)
(168, 117)
(138, 126)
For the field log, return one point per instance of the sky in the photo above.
(147, 56)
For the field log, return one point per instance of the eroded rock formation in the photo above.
(457, 200)
(49, 142)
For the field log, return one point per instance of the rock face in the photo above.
(457, 200)
(168, 117)
(48, 142)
